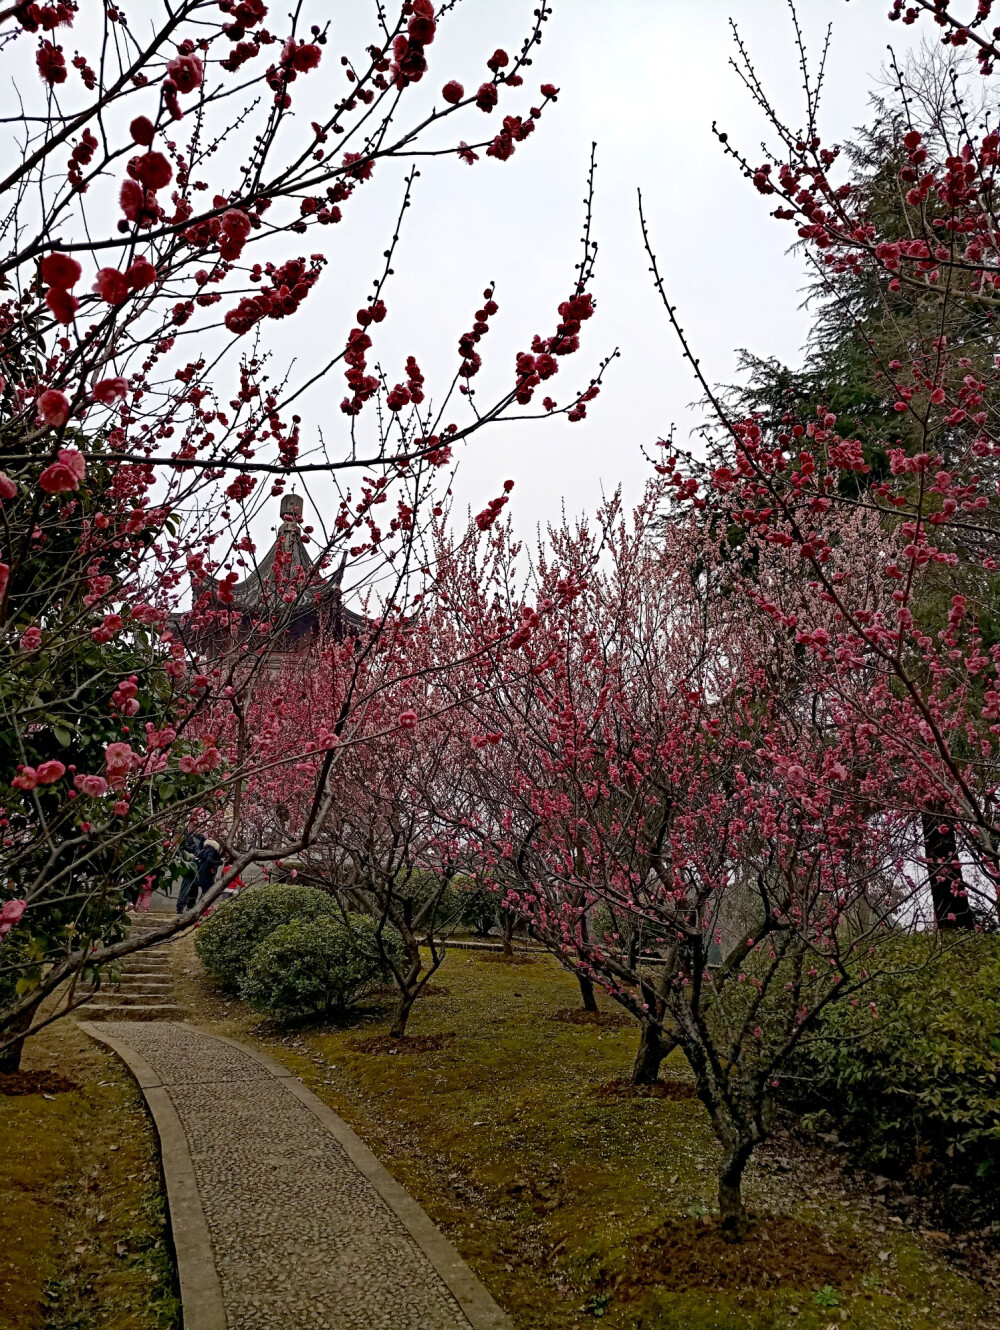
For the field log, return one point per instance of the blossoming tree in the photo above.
(155, 211)
(906, 249)
(696, 810)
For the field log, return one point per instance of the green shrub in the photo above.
(423, 885)
(314, 966)
(917, 1089)
(477, 907)
(422, 900)
(226, 940)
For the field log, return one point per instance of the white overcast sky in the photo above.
(642, 78)
(645, 79)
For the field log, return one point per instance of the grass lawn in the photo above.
(83, 1241)
(575, 1207)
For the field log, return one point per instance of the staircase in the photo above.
(145, 991)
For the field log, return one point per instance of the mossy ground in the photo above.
(574, 1207)
(83, 1233)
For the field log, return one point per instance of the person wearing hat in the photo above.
(207, 859)
(191, 846)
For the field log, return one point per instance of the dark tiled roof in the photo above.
(295, 570)
(286, 568)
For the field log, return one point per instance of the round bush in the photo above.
(225, 942)
(312, 967)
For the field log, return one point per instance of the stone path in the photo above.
(305, 1227)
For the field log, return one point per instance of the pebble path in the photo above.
(300, 1237)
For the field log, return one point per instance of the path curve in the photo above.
(281, 1215)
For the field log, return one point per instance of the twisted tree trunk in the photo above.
(735, 1219)
(408, 989)
(10, 1057)
(508, 934)
(653, 1048)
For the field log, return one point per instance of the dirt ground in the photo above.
(83, 1233)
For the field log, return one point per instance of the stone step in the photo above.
(129, 985)
(109, 1011)
(129, 999)
(153, 983)
(146, 990)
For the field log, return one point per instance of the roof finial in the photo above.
(291, 511)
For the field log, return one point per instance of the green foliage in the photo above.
(20, 965)
(228, 937)
(314, 966)
(597, 1305)
(417, 884)
(422, 887)
(54, 705)
(617, 930)
(477, 907)
(82, 862)
(918, 1087)
(827, 1296)
(422, 900)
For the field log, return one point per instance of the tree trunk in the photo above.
(401, 1015)
(735, 1220)
(508, 934)
(653, 1048)
(408, 985)
(586, 987)
(948, 890)
(10, 1057)
(587, 993)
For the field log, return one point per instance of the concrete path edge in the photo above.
(201, 1292)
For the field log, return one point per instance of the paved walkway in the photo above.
(303, 1226)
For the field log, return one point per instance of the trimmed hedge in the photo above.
(225, 942)
(314, 967)
(916, 1090)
